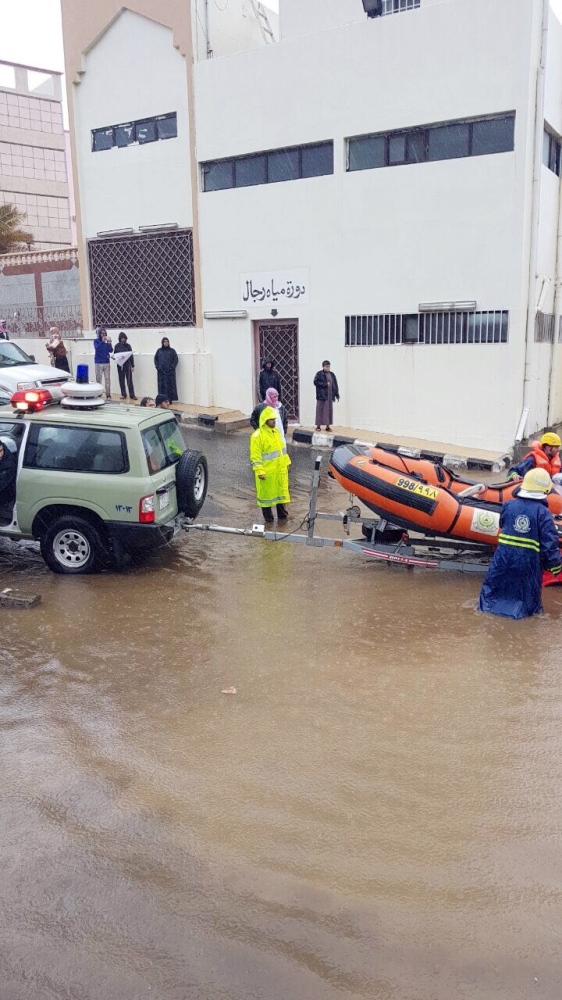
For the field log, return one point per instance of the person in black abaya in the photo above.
(8, 472)
(166, 362)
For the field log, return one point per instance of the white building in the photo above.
(383, 192)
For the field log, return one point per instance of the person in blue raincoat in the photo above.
(528, 542)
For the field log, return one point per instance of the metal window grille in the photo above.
(36, 321)
(143, 281)
(397, 6)
(544, 328)
(427, 328)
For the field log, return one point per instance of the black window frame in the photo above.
(552, 155)
(421, 135)
(205, 166)
(439, 328)
(138, 123)
(32, 442)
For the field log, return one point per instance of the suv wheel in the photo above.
(71, 545)
(192, 478)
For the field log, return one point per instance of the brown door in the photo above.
(279, 340)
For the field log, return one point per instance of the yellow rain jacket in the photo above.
(268, 454)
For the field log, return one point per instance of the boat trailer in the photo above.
(411, 550)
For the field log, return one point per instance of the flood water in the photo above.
(376, 813)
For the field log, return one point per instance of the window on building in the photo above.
(167, 126)
(398, 6)
(493, 135)
(283, 165)
(448, 142)
(427, 328)
(366, 153)
(433, 142)
(124, 135)
(103, 138)
(250, 170)
(146, 131)
(317, 161)
(142, 131)
(551, 156)
(271, 167)
(219, 175)
(142, 281)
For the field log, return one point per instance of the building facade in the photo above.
(33, 166)
(381, 191)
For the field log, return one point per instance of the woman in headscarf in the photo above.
(166, 362)
(57, 350)
(271, 399)
(125, 367)
(270, 463)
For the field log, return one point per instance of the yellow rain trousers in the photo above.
(268, 455)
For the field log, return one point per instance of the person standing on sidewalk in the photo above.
(103, 349)
(326, 391)
(271, 399)
(270, 463)
(125, 366)
(268, 379)
(57, 350)
(166, 362)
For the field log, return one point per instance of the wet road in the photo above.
(376, 814)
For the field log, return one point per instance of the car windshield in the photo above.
(11, 354)
(163, 444)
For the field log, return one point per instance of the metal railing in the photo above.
(36, 321)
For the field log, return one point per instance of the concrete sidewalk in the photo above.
(225, 421)
(454, 456)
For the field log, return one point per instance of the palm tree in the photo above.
(12, 236)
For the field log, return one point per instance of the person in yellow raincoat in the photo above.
(270, 462)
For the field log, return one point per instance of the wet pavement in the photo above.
(376, 813)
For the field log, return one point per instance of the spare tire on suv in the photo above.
(192, 477)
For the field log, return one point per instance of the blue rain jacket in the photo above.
(528, 541)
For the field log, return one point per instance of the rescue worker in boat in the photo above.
(270, 463)
(544, 454)
(528, 542)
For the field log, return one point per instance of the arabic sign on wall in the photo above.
(275, 287)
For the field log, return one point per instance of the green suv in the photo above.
(97, 482)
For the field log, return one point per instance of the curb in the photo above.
(318, 440)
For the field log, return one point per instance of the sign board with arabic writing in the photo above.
(283, 288)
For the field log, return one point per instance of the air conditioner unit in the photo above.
(372, 8)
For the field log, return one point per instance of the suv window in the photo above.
(163, 445)
(76, 449)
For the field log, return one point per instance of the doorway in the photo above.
(279, 340)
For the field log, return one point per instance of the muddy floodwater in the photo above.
(377, 812)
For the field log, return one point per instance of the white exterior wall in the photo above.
(134, 71)
(382, 240)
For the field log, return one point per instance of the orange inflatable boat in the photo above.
(411, 501)
(435, 474)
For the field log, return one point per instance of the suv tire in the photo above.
(192, 478)
(72, 545)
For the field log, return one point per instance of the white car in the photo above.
(19, 371)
